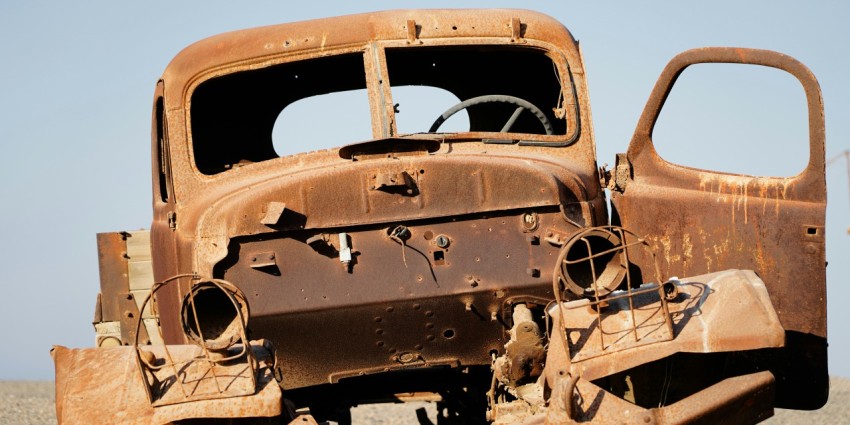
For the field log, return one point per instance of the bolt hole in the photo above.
(449, 333)
(454, 28)
(439, 256)
(812, 230)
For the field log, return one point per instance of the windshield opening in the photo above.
(234, 116)
(501, 89)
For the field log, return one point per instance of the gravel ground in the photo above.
(27, 403)
(31, 403)
(836, 411)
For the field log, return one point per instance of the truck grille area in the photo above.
(349, 302)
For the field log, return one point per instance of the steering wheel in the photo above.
(521, 105)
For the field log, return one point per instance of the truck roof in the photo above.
(314, 37)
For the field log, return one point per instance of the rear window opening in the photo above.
(312, 104)
(235, 117)
(443, 77)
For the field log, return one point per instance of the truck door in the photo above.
(702, 221)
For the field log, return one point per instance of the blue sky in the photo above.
(78, 86)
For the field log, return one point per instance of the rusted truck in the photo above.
(490, 267)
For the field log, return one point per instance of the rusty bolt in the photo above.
(442, 241)
(529, 221)
(406, 357)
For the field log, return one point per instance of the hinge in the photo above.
(622, 173)
(172, 220)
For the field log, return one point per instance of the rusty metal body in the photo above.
(399, 265)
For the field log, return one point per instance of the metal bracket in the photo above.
(263, 259)
(172, 220)
(274, 211)
(412, 35)
(129, 316)
(391, 179)
(516, 30)
(622, 173)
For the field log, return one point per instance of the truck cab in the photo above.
(440, 230)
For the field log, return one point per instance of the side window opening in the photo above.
(469, 72)
(234, 118)
(162, 150)
(743, 119)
